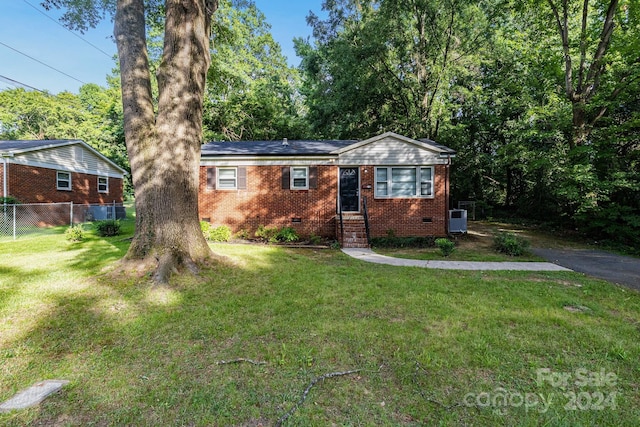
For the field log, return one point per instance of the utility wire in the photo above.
(17, 83)
(57, 22)
(46, 65)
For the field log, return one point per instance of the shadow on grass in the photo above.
(143, 355)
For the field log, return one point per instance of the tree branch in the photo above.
(563, 29)
(240, 360)
(313, 382)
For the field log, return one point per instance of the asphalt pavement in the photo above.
(620, 269)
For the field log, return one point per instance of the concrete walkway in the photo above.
(369, 256)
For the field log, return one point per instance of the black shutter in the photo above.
(313, 177)
(242, 178)
(286, 178)
(211, 178)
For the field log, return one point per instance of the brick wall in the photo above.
(264, 202)
(38, 185)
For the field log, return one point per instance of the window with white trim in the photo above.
(402, 182)
(227, 179)
(103, 184)
(63, 180)
(299, 177)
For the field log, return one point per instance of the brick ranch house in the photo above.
(401, 184)
(56, 171)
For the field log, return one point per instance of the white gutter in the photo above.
(4, 174)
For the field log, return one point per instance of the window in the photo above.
(63, 181)
(103, 184)
(227, 179)
(404, 182)
(299, 178)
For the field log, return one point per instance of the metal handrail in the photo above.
(366, 219)
(339, 212)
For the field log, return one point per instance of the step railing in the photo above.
(339, 212)
(365, 213)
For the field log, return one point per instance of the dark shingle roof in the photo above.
(444, 148)
(273, 148)
(9, 146)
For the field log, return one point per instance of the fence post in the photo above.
(14, 222)
(71, 214)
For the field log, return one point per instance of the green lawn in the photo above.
(432, 347)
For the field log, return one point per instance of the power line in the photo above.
(17, 83)
(40, 62)
(57, 22)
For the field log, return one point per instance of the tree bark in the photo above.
(164, 151)
(588, 81)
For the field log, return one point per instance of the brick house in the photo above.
(397, 184)
(53, 171)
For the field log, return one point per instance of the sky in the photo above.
(36, 52)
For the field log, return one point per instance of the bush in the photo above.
(220, 234)
(446, 246)
(107, 228)
(510, 244)
(206, 229)
(267, 233)
(315, 239)
(74, 233)
(9, 201)
(274, 234)
(287, 234)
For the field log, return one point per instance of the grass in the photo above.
(477, 244)
(433, 347)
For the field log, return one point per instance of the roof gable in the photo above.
(29, 149)
(425, 144)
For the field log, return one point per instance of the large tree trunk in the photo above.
(165, 151)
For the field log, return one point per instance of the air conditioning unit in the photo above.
(457, 221)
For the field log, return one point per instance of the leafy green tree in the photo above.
(388, 64)
(251, 91)
(599, 42)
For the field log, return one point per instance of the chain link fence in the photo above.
(37, 218)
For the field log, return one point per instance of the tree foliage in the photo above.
(252, 94)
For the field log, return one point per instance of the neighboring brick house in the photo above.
(306, 184)
(53, 171)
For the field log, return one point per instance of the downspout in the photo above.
(446, 194)
(5, 166)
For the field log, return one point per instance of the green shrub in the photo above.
(510, 244)
(221, 233)
(74, 233)
(267, 233)
(446, 246)
(107, 228)
(274, 234)
(9, 201)
(242, 234)
(315, 239)
(287, 234)
(205, 227)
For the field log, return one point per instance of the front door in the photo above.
(349, 191)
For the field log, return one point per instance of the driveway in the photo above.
(623, 270)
